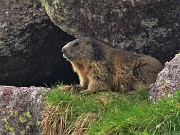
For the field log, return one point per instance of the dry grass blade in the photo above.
(54, 120)
(81, 124)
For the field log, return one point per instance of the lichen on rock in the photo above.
(20, 110)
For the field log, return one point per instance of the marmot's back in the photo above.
(132, 70)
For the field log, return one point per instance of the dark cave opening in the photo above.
(41, 62)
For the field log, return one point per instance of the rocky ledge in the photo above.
(168, 80)
(20, 109)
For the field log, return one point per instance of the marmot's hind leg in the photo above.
(146, 70)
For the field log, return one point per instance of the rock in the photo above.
(168, 80)
(148, 27)
(20, 110)
(30, 46)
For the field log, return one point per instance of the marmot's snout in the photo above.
(65, 52)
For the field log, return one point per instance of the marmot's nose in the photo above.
(63, 50)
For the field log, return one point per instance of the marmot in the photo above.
(101, 67)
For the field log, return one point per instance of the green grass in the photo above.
(130, 113)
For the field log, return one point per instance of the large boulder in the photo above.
(168, 80)
(149, 27)
(20, 110)
(30, 46)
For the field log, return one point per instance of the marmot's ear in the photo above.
(97, 51)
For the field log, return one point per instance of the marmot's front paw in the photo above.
(86, 92)
(66, 88)
(70, 88)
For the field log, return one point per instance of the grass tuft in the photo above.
(111, 113)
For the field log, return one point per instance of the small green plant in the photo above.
(114, 113)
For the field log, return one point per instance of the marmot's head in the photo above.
(82, 49)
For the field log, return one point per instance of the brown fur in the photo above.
(102, 68)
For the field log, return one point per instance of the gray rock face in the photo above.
(149, 27)
(20, 110)
(30, 46)
(168, 80)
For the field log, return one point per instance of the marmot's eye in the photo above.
(76, 44)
